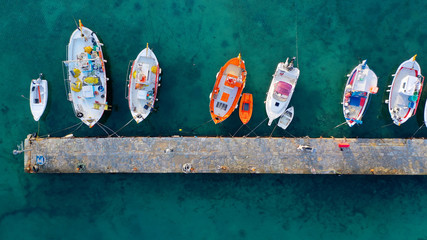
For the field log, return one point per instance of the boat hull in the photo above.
(143, 84)
(246, 107)
(87, 80)
(230, 82)
(361, 83)
(275, 105)
(405, 91)
(38, 98)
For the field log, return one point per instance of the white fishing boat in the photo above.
(85, 77)
(286, 118)
(361, 82)
(142, 84)
(405, 91)
(38, 97)
(281, 89)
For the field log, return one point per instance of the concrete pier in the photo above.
(226, 155)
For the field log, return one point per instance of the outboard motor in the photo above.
(291, 64)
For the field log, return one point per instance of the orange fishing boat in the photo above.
(245, 109)
(227, 90)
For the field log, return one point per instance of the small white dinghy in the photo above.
(85, 78)
(142, 84)
(281, 89)
(38, 97)
(361, 82)
(405, 91)
(286, 118)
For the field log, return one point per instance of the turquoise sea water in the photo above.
(192, 40)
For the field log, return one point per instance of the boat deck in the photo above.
(227, 155)
(399, 102)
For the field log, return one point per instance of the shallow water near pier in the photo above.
(192, 40)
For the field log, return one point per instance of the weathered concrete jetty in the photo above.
(226, 155)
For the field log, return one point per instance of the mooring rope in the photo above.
(192, 130)
(290, 133)
(102, 128)
(383, 126)
(38, 128)
(271, 134)
(339, 125)
(62, 129)
(105, 126)
(417, 131)
(238, 130)
(256, 127)
(25, 97)
(81, 124)
(121, 128)
(296, 32)
(250, 129)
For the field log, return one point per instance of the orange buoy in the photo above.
(245, 109)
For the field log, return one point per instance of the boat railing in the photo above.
(128, 78)
(66, 80)
(66, 52)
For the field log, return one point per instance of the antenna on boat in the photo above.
(146, 52)
(81, 27)
(240, 59)
(413, 59)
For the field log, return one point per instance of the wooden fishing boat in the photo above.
(405, 91)
(361, 82)
(246, 106)
(230, 81)
(86, 80)
(143, 84)
(38, 97)
(281, 89)
(286, 118)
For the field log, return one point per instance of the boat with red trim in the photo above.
(230, 81)
(142, 84)
(405, 91)
(361, 82)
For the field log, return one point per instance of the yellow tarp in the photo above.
(88, 49)
(77, 86)
(76, 72)
(91, 80)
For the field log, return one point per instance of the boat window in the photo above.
(246, 107)
(282, 91)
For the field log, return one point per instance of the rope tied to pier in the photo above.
(80, 124)
(417, 131)
(102, 126)
(238, 130)
(121, 128)
(296, 32)
(256, 127)
(271, 134)
(192, 130)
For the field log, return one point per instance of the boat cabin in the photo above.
(408, 85)
(232, 81)
(282, 91)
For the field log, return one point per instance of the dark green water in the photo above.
(192, 40)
